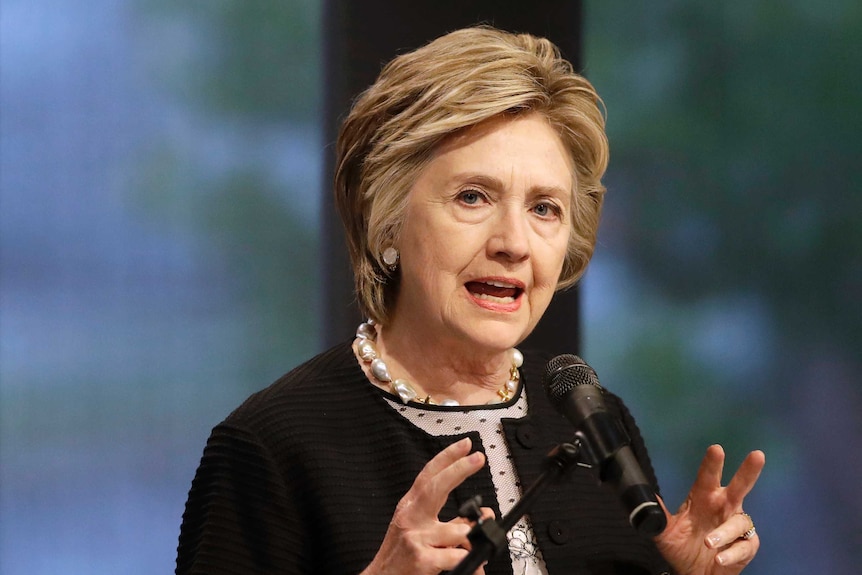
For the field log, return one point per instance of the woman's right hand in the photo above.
(417, 542)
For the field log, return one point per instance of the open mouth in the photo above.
(495, 291)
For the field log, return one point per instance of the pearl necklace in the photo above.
(366, 351)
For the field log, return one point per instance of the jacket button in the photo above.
(558, 532)
(526, 435)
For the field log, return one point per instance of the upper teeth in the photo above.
(499, 284)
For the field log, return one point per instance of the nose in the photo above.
(509, 237)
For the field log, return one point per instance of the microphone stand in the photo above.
(488, 537)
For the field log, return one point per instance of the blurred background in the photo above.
(160, 185)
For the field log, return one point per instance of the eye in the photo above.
(547, 209)
(470, 197)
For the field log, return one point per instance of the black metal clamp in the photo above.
(488, 536)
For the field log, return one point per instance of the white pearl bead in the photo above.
(404, 390)
(390, 256)
(449, 403)
(366, 331)
(517, 357)
(366, 350)
(380, 371)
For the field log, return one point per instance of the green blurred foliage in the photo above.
(738, 133)
(272, 248)
(733, 206)
(256, 59)
(245, 75)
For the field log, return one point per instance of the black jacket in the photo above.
(305, 475)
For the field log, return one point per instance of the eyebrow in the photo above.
(497, 184)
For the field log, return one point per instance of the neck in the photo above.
(445, 369)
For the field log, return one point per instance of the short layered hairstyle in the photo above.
(423, 97)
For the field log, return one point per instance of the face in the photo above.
(485, 235)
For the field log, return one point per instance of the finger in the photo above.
(442, 559)
(487, 513)
(739, 553)
(439, 486)
(451, 534)
(729, 531)
(446, 458)
(745, 478)
(441, 462)
(709, 473)
(442, 474)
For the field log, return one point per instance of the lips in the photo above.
(495, 290)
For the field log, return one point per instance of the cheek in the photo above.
(552, 258)
(447, 249)
(432, 266)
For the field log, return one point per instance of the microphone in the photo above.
(573, 388)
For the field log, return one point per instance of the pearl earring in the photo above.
(390, 258)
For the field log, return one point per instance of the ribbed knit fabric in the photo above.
(305, 475)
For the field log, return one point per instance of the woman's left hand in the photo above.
(705, 537)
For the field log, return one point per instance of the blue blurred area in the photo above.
(159, 198)
(130, 315)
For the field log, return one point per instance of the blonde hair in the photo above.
(422, 97)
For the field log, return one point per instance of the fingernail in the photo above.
(714, 540)
(476, 457)
(719, 559)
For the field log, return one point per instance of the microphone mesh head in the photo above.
(565, 372)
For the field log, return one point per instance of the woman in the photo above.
(469, 183)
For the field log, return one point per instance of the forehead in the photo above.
(525, 140)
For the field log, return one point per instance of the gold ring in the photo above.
(751, 530)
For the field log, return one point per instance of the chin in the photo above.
(498, 335)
